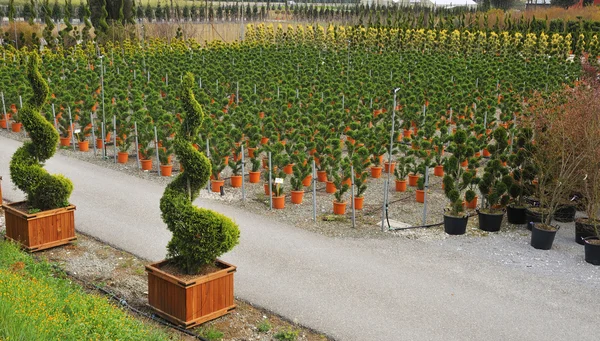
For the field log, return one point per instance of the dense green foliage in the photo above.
(44, 191)
(199, 235)
(39, 303)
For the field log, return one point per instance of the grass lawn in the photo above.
(39, 303)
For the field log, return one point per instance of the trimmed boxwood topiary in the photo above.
(44, 191)
(199, 235)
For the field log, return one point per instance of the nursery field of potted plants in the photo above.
(284, 99)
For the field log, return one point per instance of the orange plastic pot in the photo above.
(65, 141)
(420, 195)
(412, 180)
(236, 181)
(288, 169)
(471, 204)
(322, 176)
(146, 164)
(438, 170)
(464, 163)
(400, 185)
(99, 144)
(264, 140)
(376, 172)
(307, 180)
(407, 133)
(330, 187)
(279, 202)
(254, 177)
(347, 182)
(16, 127)
(226, 160)
(166, 170)
(358, 203)
(84, 146)
(265, 163)
(215, 185)
(122, 157)
(3, 123)
(389, 168)
(297, 197)
(339, 208)
(251, 152)
(267, 189)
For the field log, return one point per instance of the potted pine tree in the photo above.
(522, 173)
(491, 185)
(401, 172)
(339, 205)
(192, 285)
(360, 161)
(46, 219)
(84, 131)
(236, 169)
(456, 180)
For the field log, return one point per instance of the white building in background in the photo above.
(427, 3)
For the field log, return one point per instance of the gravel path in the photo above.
(416, 285)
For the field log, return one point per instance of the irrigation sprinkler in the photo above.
(387, 180)
(72, 129)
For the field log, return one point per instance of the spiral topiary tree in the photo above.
(199, 235)
(44, 191)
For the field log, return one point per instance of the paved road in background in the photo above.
(351, 289)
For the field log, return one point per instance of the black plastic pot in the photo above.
(516, 215)
(532, 217)
(565, 214)
(542, 239)
(592, 251)
(583, 230)
(455, 225)
(490, 222)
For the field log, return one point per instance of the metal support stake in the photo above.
(237, 93)
(156, 148)
(4, 108)
(93, 132)
(207, 155)
(72, 128)
(383, 208)
(54, 118)
(314, 190)
(352, 196)
(103, 143)
(270, 184)
(115, 138)
(387, 180)
(243, 174)
(137, 147)
(425, 195)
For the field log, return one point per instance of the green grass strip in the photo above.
(37, 304)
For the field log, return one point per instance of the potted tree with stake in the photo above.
(522, 173)
(236, 169)
(401, 172)
(491, 185)
(339, 205)
(192, 286)
(455, 181)
(85, 130)
(360, 161)
(45, 219)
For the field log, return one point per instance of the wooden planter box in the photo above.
(192, 302)
(41, 230)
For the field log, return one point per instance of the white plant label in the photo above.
(278, 180)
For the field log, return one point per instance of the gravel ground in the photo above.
(89, 260)
(402, 208)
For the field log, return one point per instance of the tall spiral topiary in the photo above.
(199, 235)
(44, 191)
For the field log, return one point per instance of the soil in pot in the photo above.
(455, 225)
(534, 215)
(584, 228)
(592, 250)
(516, 215)
(542, 236)
(490, 221)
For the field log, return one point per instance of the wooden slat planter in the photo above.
(41, 230)
(192, 302)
